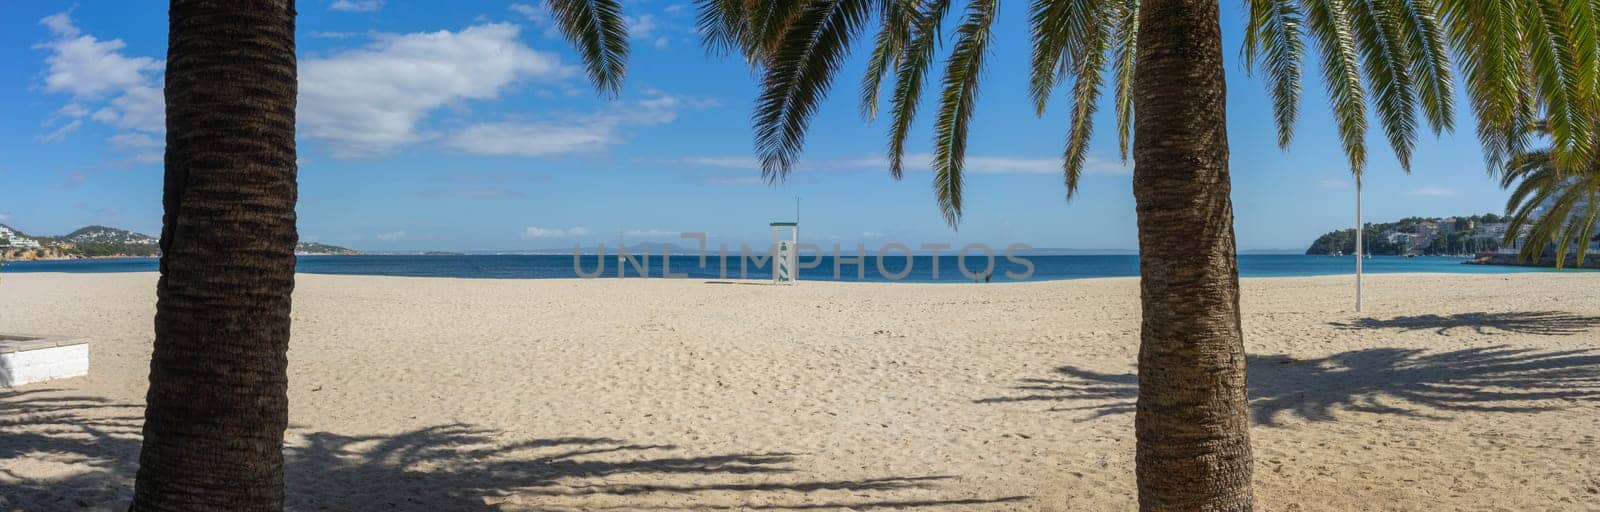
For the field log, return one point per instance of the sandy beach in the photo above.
(1452, 392)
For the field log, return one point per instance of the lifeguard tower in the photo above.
(786, 259)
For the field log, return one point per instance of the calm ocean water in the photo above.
(922, 268)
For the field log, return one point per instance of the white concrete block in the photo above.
(31, 359)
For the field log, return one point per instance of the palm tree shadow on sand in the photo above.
(1406, 382)
(444, 467)
(1543, 323)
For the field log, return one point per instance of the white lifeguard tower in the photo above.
(786, 259)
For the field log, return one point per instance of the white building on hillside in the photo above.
(9, 238)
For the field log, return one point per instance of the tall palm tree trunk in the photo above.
(1192, 421)
(217, 405)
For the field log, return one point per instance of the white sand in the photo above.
(1454, 392)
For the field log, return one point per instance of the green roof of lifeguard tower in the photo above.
(778, 224)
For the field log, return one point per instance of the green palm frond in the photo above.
(1388, 70)
(888, 50)
(1555, 70)
(955, 105)
(1552, 207)
(597, 30)
(797, 75)
(1061, 32)
(1425, 40)
(910, 77)
(1086, 66)
(1274, 38)
(751, 28)
(1328, 23)
(1486, 37)
(1125, 41)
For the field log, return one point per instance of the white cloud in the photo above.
(641, 27)
(531, 139)
(533, 14)
(1334, 184)
(587, 133)
(60, 134)
(369, 101)
(356, 5)
(141, 108)
(88, 67)
(392, 236)
(135, 141)
(538, 232)
(913, 162)
(649, 233)
(1433, 192)
(743, 179)
(5, 217)
(91, 70)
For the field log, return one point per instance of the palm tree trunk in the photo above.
(1192, 421)
(217, 405)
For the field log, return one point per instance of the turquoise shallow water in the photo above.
(922, 269)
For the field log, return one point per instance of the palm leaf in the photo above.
(1061, 28)
(1388, 70)
(1126, 43)
(1088, 64)
(1328, 23)
(798, 74)
(956, 103)
(887, 51)
(596, 29)
(1274, 38)
(910, 77)
(1424, 38)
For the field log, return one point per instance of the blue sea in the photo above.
(1046, 267)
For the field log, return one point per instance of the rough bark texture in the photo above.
(217, 405)
(1192, 422)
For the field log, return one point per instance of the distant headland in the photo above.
(108, 242)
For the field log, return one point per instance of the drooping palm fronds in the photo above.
(1073, 38)
(1274, 37)
(798, 72)
(1550, 207)
(1521, 60)
(910, 77)
(888, 51)
(597, 30)
(956, 103)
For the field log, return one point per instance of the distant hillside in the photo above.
(1419, 236)
(105, 242)
(105, 235)
(316, 249)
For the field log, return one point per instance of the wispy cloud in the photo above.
(538, 232)
(356, 5)
(579, 134)
(392, 236)
(649, 233)
(60, 134)
(1334, 184)
(105, 85)
(369, 101)
(914, 162)
(1433, 192)
(475, 193)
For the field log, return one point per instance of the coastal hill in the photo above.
(109, 242)
(1419, 236)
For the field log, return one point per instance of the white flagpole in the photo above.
(1358, 242)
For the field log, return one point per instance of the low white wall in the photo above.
(30, 366)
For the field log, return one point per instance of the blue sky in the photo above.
(468, 126)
